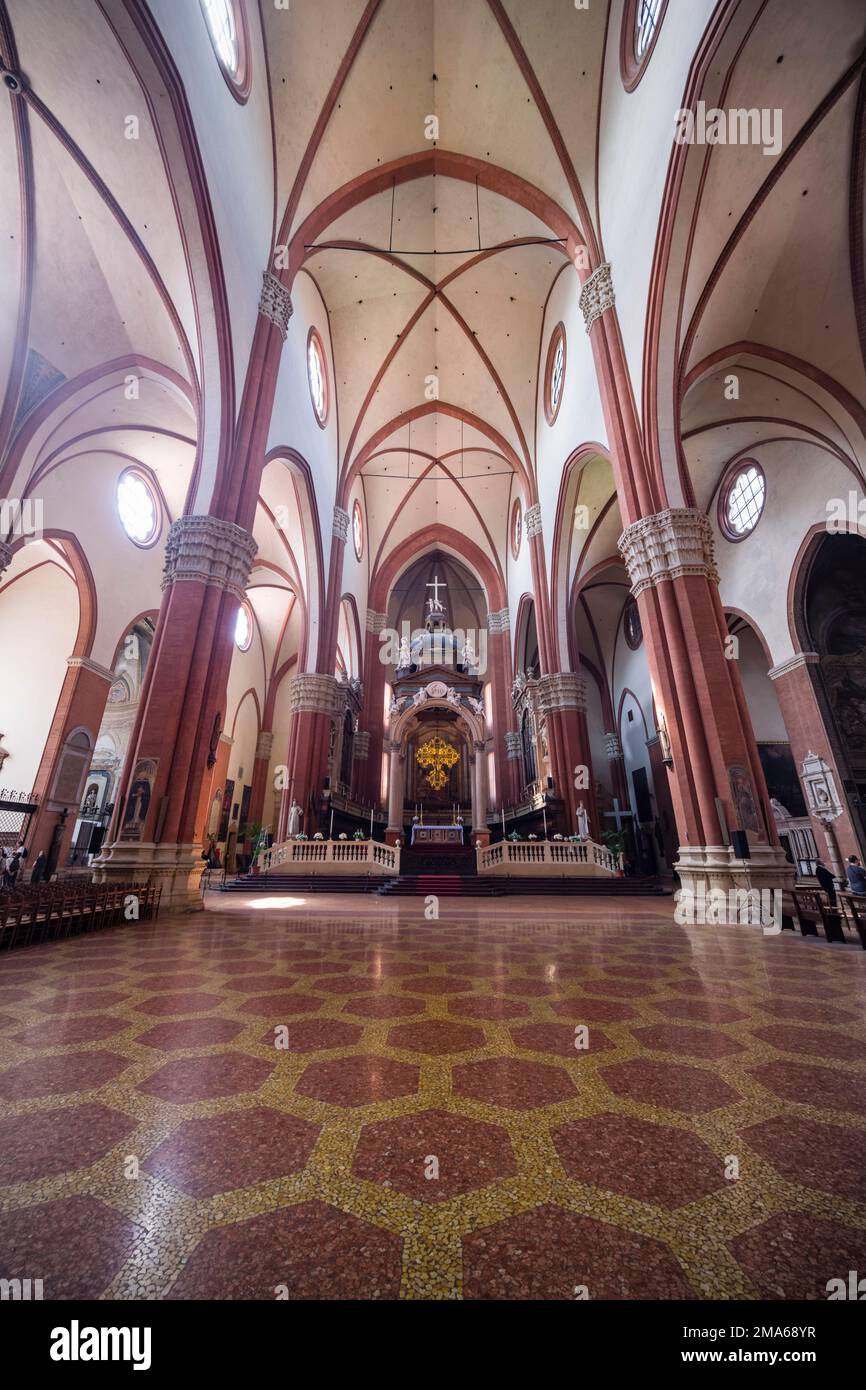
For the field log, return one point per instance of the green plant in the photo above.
(614, 841)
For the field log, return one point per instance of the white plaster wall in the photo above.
(754, 573)
(38, 624)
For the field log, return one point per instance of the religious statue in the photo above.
(582, 822)
(405, 657)
(476, 705)
(419, 697)
(453, 696)
(467, 655)
(88, 807)
(294, 819)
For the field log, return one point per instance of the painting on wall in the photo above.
(138, 799)
(780, 771)
(227, 805)
(743, 797)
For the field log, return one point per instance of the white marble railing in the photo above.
(330, 856)
(548, 856)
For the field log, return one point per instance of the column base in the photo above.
(481, 838)
(701, 868)
(176, 868)
(392, 835)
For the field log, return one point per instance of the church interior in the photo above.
(432, 649)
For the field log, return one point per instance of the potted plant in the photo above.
(301, 836)
(318, 835)
(359, 835)
(614, 842)
(514, 836)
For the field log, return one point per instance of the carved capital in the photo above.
(597, 295)
(209, 551)
(313, 693)
(376, 622)
(499, 622)
(340, 524)
(668, 545)
(265, 745)
(561, 690)
(532, 520)
(512, 746)
(275, 303)
(612, 747)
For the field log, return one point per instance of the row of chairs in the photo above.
(53, 911)
(813, 908)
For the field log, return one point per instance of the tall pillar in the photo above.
(562, 701)
(258, 790)
(373, 716)
(67, 755)
(795, 682)
(162, 810)
(717, 783)
(480, 834)
(396, 791)
(314, 703)
(499, 651)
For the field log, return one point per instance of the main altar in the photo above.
(436, 834)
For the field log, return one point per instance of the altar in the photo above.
(437, 834)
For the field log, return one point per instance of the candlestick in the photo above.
(544, 813)
(331, 831)
(371, 822)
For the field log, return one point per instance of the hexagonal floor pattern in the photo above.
(504, 1103)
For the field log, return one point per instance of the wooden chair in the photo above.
(812, 907)
(854, 913)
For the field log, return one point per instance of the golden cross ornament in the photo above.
(437, 757)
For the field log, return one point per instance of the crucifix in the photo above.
(618, 815)
(434, 603)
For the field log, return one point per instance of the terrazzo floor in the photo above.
(341, 1100)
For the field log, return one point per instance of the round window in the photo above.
(631, 624)
(317, 376)
(226, 26)
(554, 374)
(244, 628)
(137, 507)
(641, 22)
(516, 528)
(742, 499)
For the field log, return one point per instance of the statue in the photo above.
(467, 656)
(419, 697)
(405, 657)
(294, 819)
(582, 821)
(453, 696)
(476, 705)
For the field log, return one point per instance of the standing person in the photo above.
(38, 871)
(13, 864)
(4, 867)
(826, 880)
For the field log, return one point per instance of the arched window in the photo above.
(631, 624)
(357, 530)
(530, 770)
(741, 499)
(138, 507)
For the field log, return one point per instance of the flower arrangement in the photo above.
(359, 835)
(318, 835)
(574, 839)
(559, 837)
(514, 835)
(301, 836)
(343, 836)
(532, 837)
